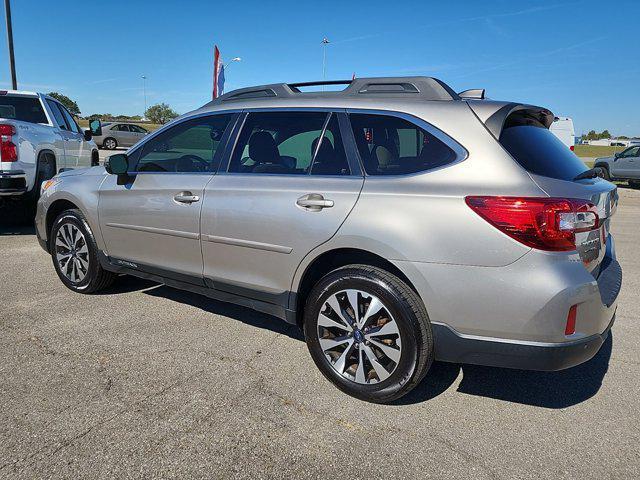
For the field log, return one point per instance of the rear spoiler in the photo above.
(497, 116)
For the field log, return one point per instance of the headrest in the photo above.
(263, 148)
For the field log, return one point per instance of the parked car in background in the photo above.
(38, 138)
(116, 135)
(395, 221)
(562, 127)
(622, 166)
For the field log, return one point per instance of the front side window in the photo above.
(289, 143)
(58, 117)
(71, 123)
(630, 152)
(187, 147)
(391, 145)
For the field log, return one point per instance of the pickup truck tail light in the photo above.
(538, 222)
(8, 149)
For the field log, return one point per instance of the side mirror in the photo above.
(95, 127)
(117, 164)
(87, 135)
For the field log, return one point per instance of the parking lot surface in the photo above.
(147, 381)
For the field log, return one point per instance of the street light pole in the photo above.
(325, 42)
(144, 92)
(12, 60)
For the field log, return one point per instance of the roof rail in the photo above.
(424, 88)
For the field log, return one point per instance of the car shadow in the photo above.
(237, 312)
(552, 390)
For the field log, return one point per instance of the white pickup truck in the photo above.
(38, 138)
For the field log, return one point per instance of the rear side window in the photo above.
(290, 143)
(391, 145)
(25, 109)
(540, 152)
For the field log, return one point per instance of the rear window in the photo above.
(26, 109)
(540, 152)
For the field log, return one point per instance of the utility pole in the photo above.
(144, 92)
(325, 42)
(12, 60)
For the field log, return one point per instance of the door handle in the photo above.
(186, 197)
(314, 202)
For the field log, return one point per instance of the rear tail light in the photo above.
(8, 149)
(570, 329)
(543, 223)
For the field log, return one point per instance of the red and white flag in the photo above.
(218, 73)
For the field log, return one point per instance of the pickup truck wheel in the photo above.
(46, 169)
(75, 254)
(604, 173)
(368, 332)
(110, 143)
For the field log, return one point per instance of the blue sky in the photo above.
(580, 59)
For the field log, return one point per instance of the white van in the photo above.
(562, 127)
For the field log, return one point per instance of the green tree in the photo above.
(605, 134)
(67, 102)
(160, 113)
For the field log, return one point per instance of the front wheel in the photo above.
(368, 332)
(75, 254)
(110, 143)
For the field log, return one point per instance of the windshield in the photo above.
(540, 152)
(26, 109)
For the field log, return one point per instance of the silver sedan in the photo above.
(116, 135)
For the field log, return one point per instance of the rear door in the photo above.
(69, 138)
(137, 133)
(288, 186)
(152, 223)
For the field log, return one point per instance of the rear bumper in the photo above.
(13, 182)
(457, 348)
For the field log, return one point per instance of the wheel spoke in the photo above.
(389, 328)
(352, 296)
(374, 307)
(392, 353)
(325, 321)
(339, 364)
(335, 306)
(62, 242)
(377, 366)
(360, 376)
(330, 343)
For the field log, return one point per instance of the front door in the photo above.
(627, 164)
(152, 223)
(288, 187)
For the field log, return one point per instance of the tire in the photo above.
(95, 158)
(45, 171)
(110, 143)
(90, 276)
(634, 183)
(403, 317)
(604, 173)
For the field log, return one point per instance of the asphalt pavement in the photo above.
(145, 381)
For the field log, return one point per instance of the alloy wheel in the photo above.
(72, 253)
(359, 337)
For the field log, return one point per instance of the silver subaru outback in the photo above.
(396, 221)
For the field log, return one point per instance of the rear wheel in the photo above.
(110, 143)
(46, 170)
(75, 254)
(634, 183)
(368, 332)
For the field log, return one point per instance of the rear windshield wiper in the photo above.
(591, 173)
